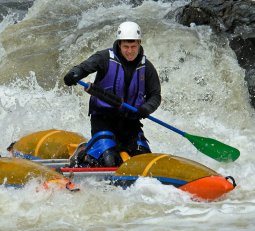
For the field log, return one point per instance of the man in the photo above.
(127, 73)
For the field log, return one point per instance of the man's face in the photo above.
(129, 50)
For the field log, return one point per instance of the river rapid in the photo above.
(203, 93)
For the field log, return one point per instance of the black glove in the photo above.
(73, 76)
(143, 112)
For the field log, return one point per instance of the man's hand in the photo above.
(143, 112)
(73, 76)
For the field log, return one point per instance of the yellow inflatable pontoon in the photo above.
(16, 172)
(48, 144)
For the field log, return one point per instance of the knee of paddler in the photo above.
(102, 147)
(110, 158)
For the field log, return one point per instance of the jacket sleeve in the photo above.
(97, 62)
(152, 88)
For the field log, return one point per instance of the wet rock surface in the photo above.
(16, 7)
(234, 19)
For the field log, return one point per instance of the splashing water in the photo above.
(203, 93)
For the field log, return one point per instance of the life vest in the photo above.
(114, 82)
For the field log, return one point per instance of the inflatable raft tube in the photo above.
(200, 181)
(16, 172)
(48, 144)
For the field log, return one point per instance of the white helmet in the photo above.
(129, 31)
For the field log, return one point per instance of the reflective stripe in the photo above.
(147, 168)
(42, 140)
(111, 54)
(143, 60)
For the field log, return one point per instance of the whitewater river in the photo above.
(203, 93)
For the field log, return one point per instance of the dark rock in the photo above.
(20, 8)
(234, 19)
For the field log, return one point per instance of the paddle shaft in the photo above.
(155, 120)
(131, 108)
(210, 147)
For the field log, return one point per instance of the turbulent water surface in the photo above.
(203, 91)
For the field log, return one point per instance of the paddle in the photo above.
(210, 147)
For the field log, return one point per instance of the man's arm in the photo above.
(95, 63)
(152, 88)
